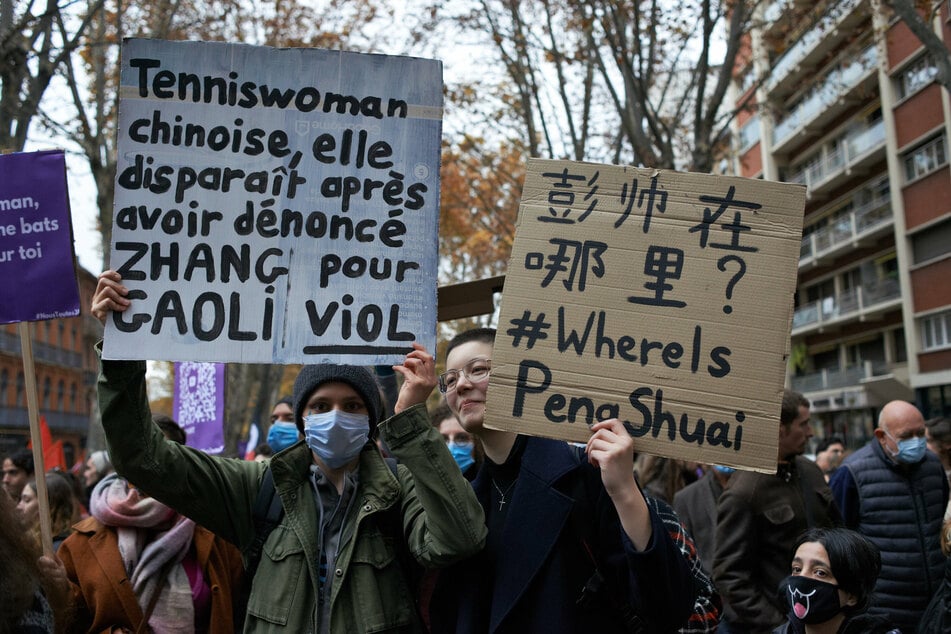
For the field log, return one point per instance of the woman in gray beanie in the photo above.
(340, 557)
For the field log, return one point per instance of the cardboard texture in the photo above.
(275, 205)
(661, 298)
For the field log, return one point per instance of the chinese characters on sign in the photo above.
(660, 298)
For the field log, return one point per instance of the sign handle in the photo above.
(39, 467)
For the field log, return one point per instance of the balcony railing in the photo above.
(805, 44)
(837, 83)
(847, 229)
(836, 379)
(45, 353)
(851, 148)
(848, 304)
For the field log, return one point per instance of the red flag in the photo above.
(53, 455)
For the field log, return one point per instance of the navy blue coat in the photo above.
(542, 564)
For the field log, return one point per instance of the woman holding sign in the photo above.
(572, 544)
(338, 554)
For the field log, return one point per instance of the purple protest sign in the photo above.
(37, 278)
(199, 404)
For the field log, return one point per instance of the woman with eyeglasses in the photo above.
(572, 544)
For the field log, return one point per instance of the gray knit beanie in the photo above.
(357, 377)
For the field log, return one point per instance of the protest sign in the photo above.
(37, 277)
(275, 205)
(198, 405)
(660, 298)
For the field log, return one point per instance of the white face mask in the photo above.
(336, 436)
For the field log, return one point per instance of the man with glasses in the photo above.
(573, 545)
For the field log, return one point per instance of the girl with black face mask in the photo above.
(833, 575)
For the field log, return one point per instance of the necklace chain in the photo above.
(502, 493)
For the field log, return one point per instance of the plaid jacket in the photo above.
(706, 609)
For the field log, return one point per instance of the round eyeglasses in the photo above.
(474, 371)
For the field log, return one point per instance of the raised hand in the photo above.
(109, 296)
(419, 378)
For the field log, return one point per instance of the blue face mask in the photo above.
(725, 470)
(910, 450)
(462, 454)
(335, 436)
(282, 435)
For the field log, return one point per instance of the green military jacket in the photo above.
(442, 519)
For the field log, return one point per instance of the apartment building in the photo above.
(846, 102)
(65, 367)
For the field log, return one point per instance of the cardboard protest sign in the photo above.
(660, 298)
(37, 276)
(275, 205)
(198, 404)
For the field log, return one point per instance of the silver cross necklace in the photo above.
(502, 493)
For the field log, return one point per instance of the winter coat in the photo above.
(759, 518)
(101, 593)
(559, 506)
(441, 520)
(900, 509)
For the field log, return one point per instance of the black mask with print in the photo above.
(810, 600)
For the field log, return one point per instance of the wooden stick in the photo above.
(39, 467)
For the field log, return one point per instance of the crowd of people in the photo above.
(364, 512)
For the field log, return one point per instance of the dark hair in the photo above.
(825, 443)
(939, 429)
(792, 401)
(286, 400)
(170, 428)
(483, 335)
(855, 561)
(63, 510)
(23, 459)
(263, 449)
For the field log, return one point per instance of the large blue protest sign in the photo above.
(198, 405)
(660, 298)
(275, 205)
(37, 277)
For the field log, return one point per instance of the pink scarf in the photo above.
(152, 539)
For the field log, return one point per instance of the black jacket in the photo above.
(534, 582)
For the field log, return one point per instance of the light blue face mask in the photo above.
(910, 450)
(725, 470)
(462, 454)
(282, 435)
(336, 436)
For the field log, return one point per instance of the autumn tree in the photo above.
(35, 40)
(616, 80)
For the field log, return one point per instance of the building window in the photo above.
(4, 384)
(936, 332)
(20, 387)
(916, 76)
(932, 243)
(72, 397)
(925, 159)
(61, 395)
